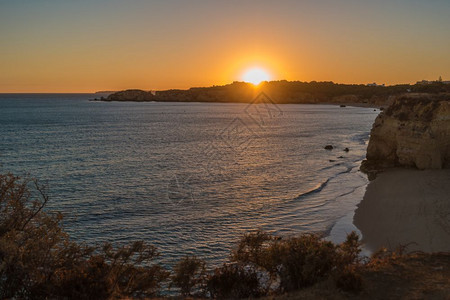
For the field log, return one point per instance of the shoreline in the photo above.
(406, 207)
(359, 105)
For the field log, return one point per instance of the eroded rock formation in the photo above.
(413, 132)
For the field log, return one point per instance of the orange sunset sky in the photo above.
(86, 46)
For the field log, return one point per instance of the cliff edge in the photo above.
(412, 132)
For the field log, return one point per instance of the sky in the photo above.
(86, 46)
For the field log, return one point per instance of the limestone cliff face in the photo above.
(412, 132)
(131, 95)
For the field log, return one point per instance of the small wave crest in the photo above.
(319, 187)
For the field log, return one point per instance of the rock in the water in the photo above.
(342, 105)
(328, 147)
(412, 132)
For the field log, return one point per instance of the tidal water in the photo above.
(189, 178)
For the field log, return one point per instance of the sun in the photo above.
(255, 76)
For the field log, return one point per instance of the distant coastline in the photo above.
(106, 92)
(284, 92)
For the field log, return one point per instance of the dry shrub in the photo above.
(189, 275)
(234, 281)
(298, 262)
(37, 259)
(349, 279)
(347, 274)
(383, 256)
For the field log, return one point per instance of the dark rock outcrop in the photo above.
(131, 95)
(412, 132)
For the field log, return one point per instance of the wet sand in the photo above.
(403, 206)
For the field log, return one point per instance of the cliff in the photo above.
(412, 132)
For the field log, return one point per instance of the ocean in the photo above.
(189, 178)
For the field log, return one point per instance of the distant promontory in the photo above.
(285, 92)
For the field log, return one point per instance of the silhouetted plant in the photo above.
(253, 249)
(347, 275)
(303, 260)
(295, 262)
(349, 251)
(298, 262)
(349, 279)
(234, 281)
(189, 275)
(37, 259)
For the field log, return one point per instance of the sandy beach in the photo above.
(405, 206)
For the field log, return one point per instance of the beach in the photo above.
(406, 207)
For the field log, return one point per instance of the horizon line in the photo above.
(214, 85)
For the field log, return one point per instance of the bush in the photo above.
(37, 259)
(189, 274)
(349, 279)
(305, 260)
(349, 251)
(347, 276)
(298, 262)
(253, 248)
(234, 281)
(295, 262)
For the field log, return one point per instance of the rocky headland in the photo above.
(284, 92)
(408, 161)
(129, 95)
(412, 132)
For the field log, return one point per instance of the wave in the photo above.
(322, 185)
(361, 138)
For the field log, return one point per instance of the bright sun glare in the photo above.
(255, 76)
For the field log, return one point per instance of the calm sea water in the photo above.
(190, 178)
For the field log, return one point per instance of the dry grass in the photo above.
(411, 276)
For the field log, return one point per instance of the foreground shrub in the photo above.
(349, 279)
(349, 251)
(383, 256)
(347, 275)
(37, 259)
(297, 262)
(304, 261)
(234, 281)
(189, 274)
